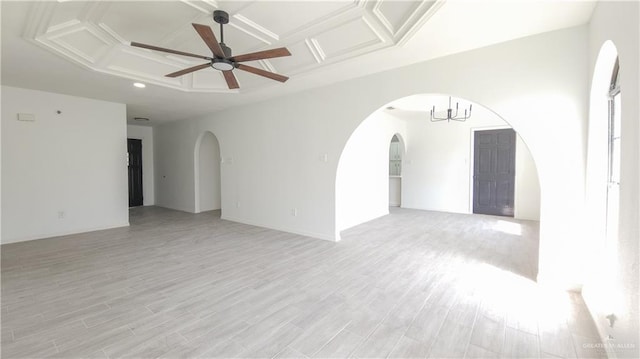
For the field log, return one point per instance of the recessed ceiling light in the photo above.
(141, 119)
(390, 108)
(139, 85)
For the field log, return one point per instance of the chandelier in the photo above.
(451, 114)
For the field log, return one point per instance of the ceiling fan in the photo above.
(222, 58)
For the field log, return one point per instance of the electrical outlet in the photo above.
(60, 214)
(237, 204)
(294, 212)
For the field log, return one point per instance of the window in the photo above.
(613, 187)
(614, 127)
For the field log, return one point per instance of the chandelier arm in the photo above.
(456, 115)
(451, 116)
(439, 118)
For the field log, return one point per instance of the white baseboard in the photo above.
(63, 233)
(323, 236)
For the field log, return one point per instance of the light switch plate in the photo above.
(26, 117)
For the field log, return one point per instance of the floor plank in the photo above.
(176, 285)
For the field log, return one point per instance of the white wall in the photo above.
(362, 180)
(395, 191)
(70, 165)
(278, 147)
(209, 176)
(277, 171)
(527, 189)
(145, 134)
(174, 161)
(617, 290)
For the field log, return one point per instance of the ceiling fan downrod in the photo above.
(222, 18)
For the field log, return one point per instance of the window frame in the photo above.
(614, 125)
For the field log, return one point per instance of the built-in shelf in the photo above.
(395, 172)
(395, 159)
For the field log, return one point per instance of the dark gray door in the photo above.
(494, 164)
(134, 147)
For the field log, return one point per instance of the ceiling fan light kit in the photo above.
(222, 64)
(222, 58)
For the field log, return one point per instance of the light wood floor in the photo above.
(176, 285)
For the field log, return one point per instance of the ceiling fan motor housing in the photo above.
(225, 49)
(221, 17)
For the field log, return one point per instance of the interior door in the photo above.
(134, 147)
(494, 172)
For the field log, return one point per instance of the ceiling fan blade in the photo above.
(232, 82)
(151, 47)
(190, 69)
(257, 71)
(260, 55)
(209, 38)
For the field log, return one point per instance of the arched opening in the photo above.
(208, 195)
(396, 152)
(362, 180)
(437, 172)
(437, 166)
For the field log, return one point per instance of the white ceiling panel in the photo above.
(296, 16)
(151, 24)
(301, 58)
(208, 79)
(394, 14)
(187, 40)
(84, 42)
(242, 39)
(250, 81)
(334, 44)
(71, 10)
(144, 65)
(330, 41)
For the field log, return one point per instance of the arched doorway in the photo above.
(362, 180)
(437, 172)
(207, 173)
(436, 169)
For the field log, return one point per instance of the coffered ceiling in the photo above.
(97, 35)
(82, 47)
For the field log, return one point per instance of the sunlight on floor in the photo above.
(521, 301)
(508, 227)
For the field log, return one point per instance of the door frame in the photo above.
(472, 133)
